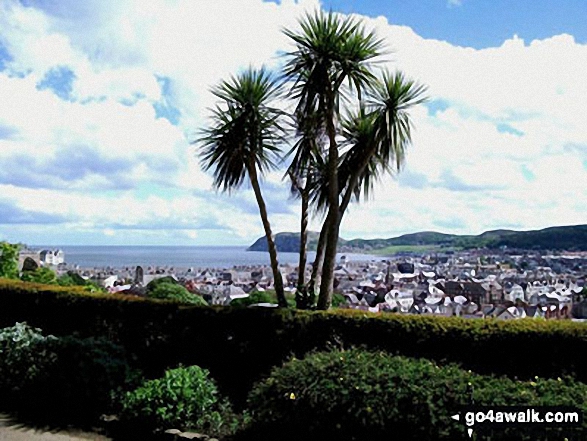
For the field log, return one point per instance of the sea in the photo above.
(179, 256)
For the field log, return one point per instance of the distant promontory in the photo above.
(570, 238)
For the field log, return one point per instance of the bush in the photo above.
(174, 292)
(160, 280)
(71, 278)
(185, 398)
(9, 260)
(254, 298)
(83, 378)
(40, 275)
(338, 300)
(23, 357)
(57, 380)
(358, 394)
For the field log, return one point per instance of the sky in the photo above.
(101, 99)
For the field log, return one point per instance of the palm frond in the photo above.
(329, 49)
(391, 99)
(245, 130)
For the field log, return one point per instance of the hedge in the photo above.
(370, 395)
(240, 345)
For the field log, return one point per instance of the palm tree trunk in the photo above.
(301, 293)
(317, 266)
(277, 280)
(326, 285)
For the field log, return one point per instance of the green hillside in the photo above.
(571, 238)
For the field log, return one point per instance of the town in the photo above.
(503, 284)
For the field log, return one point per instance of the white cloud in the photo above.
(508, 146)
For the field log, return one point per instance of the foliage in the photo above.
(85, 374)
(40, 275)
(254, 297)
(245, 129)
(338, 300)
(358, 394)
(9, 260)
(176, 293)
(156, 282)
(71, 278)
(23, 356)
(38, 371)
(185, 398)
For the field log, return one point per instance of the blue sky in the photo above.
(477, 23)
(101, 99)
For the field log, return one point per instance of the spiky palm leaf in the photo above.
(379, 138)
(244, 129)
(391, 99)
(329, 49)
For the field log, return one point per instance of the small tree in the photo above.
(9, 260)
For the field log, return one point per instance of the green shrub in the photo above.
(83, 378)
(338, 300)
(185, 398)
(38, 371)
(358, 394)
(9, 260)
(24, 355)
(71, 278)
(40, 275)
(254, 298)
(160, 280)
(174, 292)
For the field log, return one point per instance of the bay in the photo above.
(179, 256)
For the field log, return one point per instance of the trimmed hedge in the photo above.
(360, 395)
(164, 334)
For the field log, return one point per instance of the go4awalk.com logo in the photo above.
(479, 418)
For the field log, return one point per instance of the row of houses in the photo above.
(45, 257)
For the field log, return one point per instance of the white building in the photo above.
(52, 257)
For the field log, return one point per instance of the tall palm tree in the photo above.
(243, 139)
(329, 50)
(376, 138)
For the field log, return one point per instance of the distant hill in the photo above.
(571, 238)
(288, 242)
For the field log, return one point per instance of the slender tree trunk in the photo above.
(277, 280)
(323, 301)
(301, 293)
(326, 285)
(317, 266)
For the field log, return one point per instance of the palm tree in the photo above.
(376, 138)
(329, 50)
(244, 139)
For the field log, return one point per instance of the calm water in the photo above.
(180, 257)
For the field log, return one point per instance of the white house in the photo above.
(52, 257)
